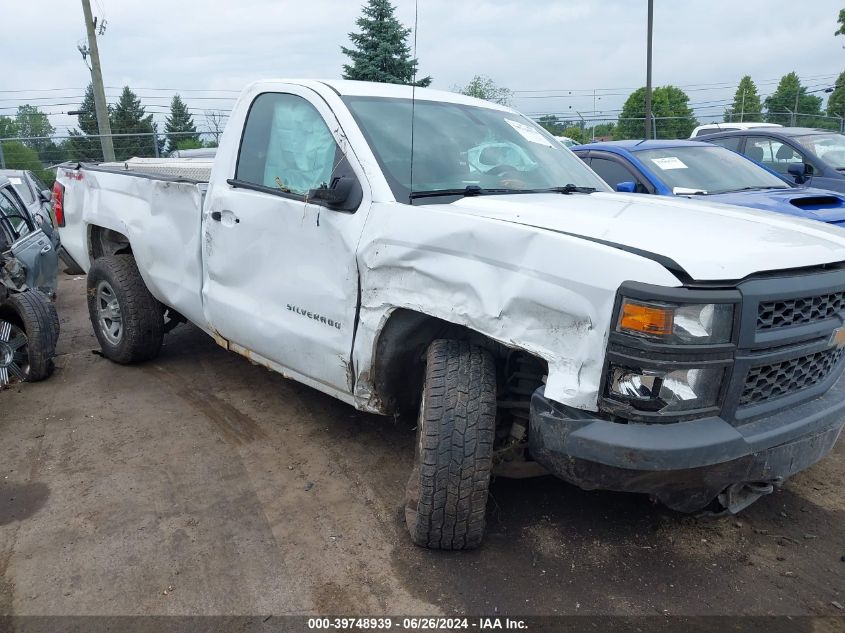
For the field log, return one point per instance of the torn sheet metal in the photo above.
(547, 293)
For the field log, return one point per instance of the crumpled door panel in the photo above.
(39, 259)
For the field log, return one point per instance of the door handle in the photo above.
(226, 217)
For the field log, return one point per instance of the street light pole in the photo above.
(648, 71)
(99, 92)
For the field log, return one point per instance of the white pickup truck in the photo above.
(398, 249)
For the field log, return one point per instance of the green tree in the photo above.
(788, 96)
(34, 125)
(674, 118)
(553, 125)
(129, 117)
(19, 156)
(8, 127)
(83, 145)
(180, 124)
(483, 87)
(380, 51)
(87, 116)
(746, 105)
(836, 101)
(603, 130)
(577, 134)
(841, 22)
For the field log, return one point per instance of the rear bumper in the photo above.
(686, 464)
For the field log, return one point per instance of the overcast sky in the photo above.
(551, 46)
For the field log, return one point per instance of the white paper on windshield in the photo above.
(16, 181)
(669, 162)
(529, 133)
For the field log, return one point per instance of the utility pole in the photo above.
(795, 111)
(648, 72)
(742, 110)
(99, 92)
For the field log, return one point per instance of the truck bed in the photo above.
(197, 169)
(160, 213)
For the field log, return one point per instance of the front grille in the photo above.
(779, 379)
(786, 312)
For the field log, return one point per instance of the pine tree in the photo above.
(83, 144)
(380, 51)
(781, 104)
(180, 124)
(747, 105)
(87, 116)
(130, 117)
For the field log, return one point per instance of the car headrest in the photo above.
(756, 153)
(785, 152)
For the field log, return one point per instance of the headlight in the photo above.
(665, 390)
(685, 324)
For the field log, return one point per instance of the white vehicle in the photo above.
(541, 322)
(712, 128)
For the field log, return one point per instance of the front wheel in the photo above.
(446, 496)
(128, 321)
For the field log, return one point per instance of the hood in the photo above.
(708, 241)
(805, 202)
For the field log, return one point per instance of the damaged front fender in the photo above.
(531, 289)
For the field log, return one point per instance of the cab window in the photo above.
(286, 145)
(772, 153)
(729, 142)
(613, 172)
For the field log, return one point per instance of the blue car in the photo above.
(694, 169)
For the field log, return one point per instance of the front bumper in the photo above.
(685, 465)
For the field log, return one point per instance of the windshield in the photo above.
(829, 147)
(458, 146)
(707, 170)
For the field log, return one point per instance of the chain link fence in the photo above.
(41, 154)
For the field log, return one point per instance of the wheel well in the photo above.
(103, 242)
(7, 313)
(400, 356)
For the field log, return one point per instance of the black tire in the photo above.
(141, 316)
(34, 313)
(446, 497)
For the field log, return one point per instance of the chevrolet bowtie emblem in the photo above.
(837, 339)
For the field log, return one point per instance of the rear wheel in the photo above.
(29, 330)
(128, 321)
(446, 496)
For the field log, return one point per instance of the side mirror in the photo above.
(334, 194)
(626, 187)
(46, 195)
(801, 172)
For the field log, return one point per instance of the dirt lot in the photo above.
(202, 484)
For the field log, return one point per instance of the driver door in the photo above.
(280, 272)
